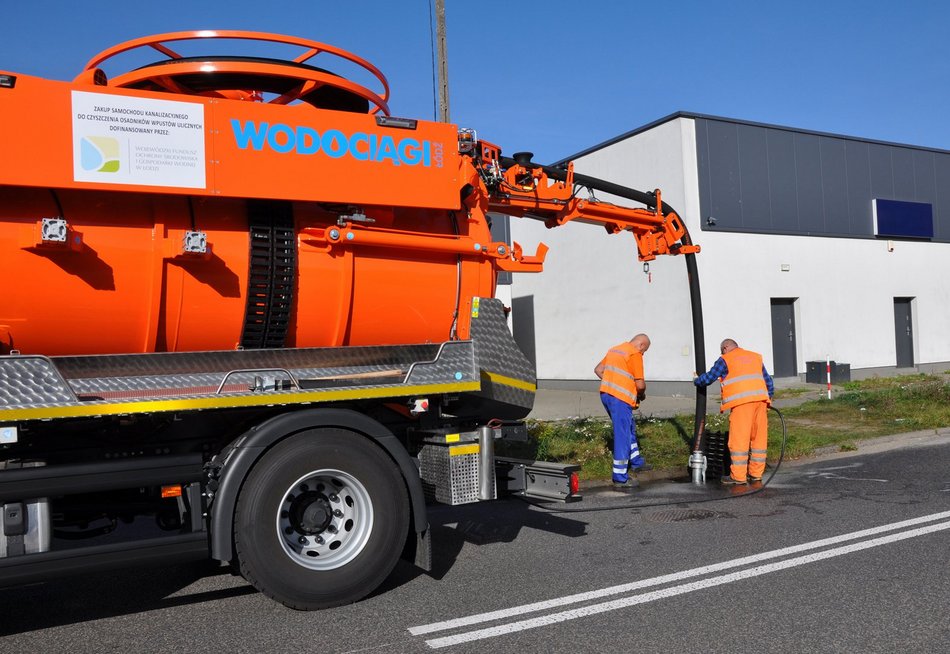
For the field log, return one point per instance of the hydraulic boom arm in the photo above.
(518, 187)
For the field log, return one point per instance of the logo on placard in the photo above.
(99, 154)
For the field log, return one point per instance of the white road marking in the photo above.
(673, 591)
(834, 475)
(676, 576)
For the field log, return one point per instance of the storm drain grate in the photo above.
(685, 515)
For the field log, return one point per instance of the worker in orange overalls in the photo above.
(622, 387)
(747, 392)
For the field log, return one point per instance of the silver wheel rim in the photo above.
(325, 519)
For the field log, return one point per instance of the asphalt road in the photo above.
(837, 555)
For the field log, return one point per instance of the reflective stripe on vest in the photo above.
(744, 382)
(617, 380)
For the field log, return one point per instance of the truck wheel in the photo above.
(321, 519)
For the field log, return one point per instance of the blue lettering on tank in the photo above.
(249, 134)
(387, 150)
(334, 143)
(409, 151)
(277, 144)
(308, 140)
(355, 141)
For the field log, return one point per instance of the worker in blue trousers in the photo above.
(622, 388)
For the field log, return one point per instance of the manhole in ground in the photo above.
(684, 515)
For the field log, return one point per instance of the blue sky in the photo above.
(556, 77)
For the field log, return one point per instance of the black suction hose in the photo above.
(692, 272)
(696, 304)
(632, 505)
(696, 307)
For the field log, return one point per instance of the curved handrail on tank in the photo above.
(240, 371)
(309, 77)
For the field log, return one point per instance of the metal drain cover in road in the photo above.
(684, 515)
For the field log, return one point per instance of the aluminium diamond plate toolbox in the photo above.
(449, 467)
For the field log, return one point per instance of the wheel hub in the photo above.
(310, 513)
(325, 519)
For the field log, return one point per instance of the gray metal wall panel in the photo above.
(808, 177)
(942, 174)
(757, 178)
(723, 171)
(902, 165)
(702, 163)
(859, 188)
(834, 185)
(925, 183)
(782, 185)
(882, 173)
(753, 150)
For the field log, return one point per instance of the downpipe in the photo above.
(486, 463)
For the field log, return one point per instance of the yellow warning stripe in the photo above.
(226, 402)
(452, 438)
(458, 450)
(495, 378)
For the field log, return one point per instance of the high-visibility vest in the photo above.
(617, 380)
(744, 382)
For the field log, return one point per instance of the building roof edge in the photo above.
(737, 121)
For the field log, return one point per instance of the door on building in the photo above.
(784, 348)
(904, 331)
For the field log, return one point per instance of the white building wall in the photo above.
(593, 293)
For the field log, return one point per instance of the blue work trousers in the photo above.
(626, 449)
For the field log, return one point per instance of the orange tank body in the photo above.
(156, 214)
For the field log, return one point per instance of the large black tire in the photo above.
(321, 519)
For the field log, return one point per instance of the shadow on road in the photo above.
(83, 598)
(479, 524)
(484, 524)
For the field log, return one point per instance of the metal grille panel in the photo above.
(449, 479)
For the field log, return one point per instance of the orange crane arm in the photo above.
(518, 187)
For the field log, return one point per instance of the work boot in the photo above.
(641, 468)
(729, 481)
(754, 479)
(625, 487)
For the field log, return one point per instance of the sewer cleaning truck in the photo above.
(249, 315)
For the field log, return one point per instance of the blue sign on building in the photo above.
(894, 218)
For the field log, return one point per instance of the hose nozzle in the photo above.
(697, 466)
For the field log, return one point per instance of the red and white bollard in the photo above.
(828, 372)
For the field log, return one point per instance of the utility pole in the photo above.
(443, 62)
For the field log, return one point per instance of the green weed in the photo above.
(865, 409)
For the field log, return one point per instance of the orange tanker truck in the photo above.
(248, 314)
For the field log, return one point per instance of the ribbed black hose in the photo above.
(692, 272)
(737, 491)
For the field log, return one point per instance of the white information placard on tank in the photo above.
(123, 140)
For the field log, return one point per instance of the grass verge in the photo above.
(863, 409)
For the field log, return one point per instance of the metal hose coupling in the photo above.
(697, 466)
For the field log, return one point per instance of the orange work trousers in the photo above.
(748, 439)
